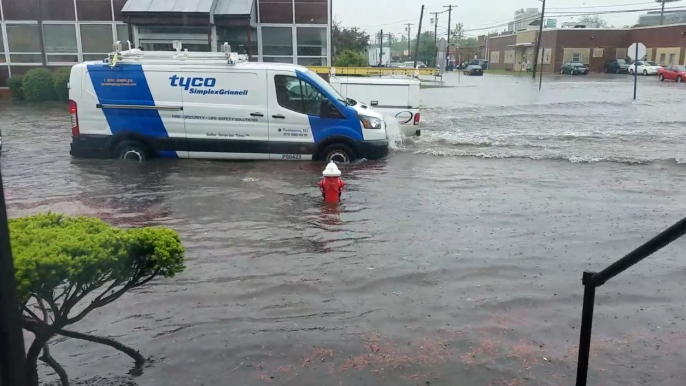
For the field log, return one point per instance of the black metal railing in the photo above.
(592, 280)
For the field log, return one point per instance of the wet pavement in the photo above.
(456, 261)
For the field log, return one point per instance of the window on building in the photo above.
(161, 38)
(2, 48)
(62, 10)
(123, 35)
(24, 43)
(299, 96)
(312, 46)
(276, 11)
(237, 37)
(576, 57)
(60, 43)
(662, 58)
(311, 12)
(671, 58)
(96, 41)
(94, 10)
(277, 44)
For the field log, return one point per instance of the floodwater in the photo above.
(455, 261)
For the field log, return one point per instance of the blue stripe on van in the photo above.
(326, 127)
(127, 85)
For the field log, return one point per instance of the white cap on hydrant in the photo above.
(331, 170)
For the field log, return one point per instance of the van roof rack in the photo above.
(135, 55)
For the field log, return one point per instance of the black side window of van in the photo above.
(296, 95)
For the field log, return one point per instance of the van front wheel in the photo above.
(338, 153)
(131, 151)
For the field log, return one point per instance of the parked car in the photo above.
(474, 69)
(645, 67)
(483, 63)
(675, 72)
(573, 68)
(617, 66)
(410, 64)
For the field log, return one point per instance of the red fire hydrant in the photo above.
(332, 185)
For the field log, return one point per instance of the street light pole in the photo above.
(450, 13)
(538, 41)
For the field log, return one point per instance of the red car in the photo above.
(675, 72)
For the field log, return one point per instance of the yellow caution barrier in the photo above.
(375, 71)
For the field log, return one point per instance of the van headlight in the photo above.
(370, 122)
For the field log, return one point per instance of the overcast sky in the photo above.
(373, 15)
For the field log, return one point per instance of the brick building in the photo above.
(59, 33)
(593, 47)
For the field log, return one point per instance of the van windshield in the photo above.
(325, 86)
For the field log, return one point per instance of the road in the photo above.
(457, 260)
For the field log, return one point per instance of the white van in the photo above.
(392, 96)
(139, 105)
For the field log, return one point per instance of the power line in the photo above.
(578, 14)
(604, 6)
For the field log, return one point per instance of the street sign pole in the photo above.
(635, 71)
(636, 52)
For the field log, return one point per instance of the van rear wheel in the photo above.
(131, 151)
(338, 153)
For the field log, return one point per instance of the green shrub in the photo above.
(16, 84)
(60, 81)
(67, 267)
(349, 58)
(38, 85)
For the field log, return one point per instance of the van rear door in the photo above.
(225, 112)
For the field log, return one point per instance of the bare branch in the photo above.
(135, 355)
(32, 314)
(98, 304)
(48, 359)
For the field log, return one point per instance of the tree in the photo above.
(350, 58)
(427, 48)
(352, 39)
(457, 34)
(662, 12)
(60, 261)
(595, 19)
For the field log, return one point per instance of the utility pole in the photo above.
(450, 13)
(538, 42)
(408, 28)
(435, 21)
(381, 49)
(419, 33)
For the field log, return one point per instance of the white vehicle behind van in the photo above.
(397, 97)
(139, 105)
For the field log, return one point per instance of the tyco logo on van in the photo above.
(207, 83)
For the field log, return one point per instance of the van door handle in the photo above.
(279, 116)
(256, 115)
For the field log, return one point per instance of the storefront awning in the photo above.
(167, 6)
(234, 7)
(220, 7)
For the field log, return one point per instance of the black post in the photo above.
(419, 33)
(381, 49)
(12, 354)
(586, 326)
(538, 41)
(447, 53)
(409, 40)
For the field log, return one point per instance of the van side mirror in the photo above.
(329, 110)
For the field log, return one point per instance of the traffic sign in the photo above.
(442, 45)
(642, 51)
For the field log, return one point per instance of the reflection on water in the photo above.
(430, 269)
